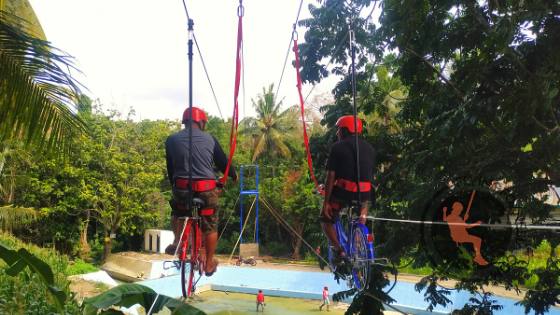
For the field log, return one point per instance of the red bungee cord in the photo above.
(302, 107)
(235, 116)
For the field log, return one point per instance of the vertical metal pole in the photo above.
(257, 196)
(353, 52)
(190, 54)
(241, 205)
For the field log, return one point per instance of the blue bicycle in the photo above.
(357, 242)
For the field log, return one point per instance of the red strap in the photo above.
(207, 212)
(335, 205)
(351, 185)
(305, 138)
(235, 117)
(197, 185)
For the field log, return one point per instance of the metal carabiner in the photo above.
(352, 36)
(240, 9)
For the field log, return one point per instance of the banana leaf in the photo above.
(130, 294)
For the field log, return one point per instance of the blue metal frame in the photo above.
(242, 193)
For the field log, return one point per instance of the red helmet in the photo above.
(348, 123)
(198, 115)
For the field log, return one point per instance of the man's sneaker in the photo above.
(170, 250)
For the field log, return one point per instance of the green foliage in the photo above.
(16, 217)
(407, 266)
(483, 304)
(113, 178)
(37, 94)
(22, 259)
(27, 275)
(291, 195)
(130, 294)
(478, 103)
(273, 131)
(78, 267)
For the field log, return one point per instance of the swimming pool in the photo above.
(309, 284)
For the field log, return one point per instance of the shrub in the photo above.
(78, 267)
(25, 292)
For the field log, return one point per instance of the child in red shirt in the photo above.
(260, 300)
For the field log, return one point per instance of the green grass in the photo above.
(407, 266)
(537, 261)
(78, 267)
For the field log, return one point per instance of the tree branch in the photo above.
(543, 126)
(440, 75)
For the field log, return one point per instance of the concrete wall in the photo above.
(157, 240)
(249, 250)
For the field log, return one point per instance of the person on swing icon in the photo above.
(458, 229)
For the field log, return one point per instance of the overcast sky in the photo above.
(133, 53)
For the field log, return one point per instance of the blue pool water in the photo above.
(309, 285)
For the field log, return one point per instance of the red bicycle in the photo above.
(189, 249)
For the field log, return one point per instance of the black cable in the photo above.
(208, 77)
(204, 64)
(289, 46)
(190, 119)
(355, 113)
(339, 45)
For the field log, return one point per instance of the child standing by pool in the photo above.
(325, 299)
(260, 301)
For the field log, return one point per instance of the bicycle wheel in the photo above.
(360, 256)
(186, 267)
(195, 259)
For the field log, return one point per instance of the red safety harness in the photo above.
(349, 185)
(199, 185)
(352, 186)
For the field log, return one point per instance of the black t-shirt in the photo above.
(342, 160)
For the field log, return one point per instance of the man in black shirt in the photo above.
(207, 152)
(341, 188)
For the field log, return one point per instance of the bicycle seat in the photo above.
(199, 203)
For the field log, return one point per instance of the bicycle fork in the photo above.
(185, 239)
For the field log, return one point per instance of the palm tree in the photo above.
(271, 130)
(37, 98)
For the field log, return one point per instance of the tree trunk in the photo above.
(85, 249)
(296, 244)
(107, 244)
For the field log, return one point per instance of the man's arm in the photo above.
(332, 161)
(169, 162)
(221, 160)
(331, 175)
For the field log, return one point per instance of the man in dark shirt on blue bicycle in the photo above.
(341, 187)
(207, 152)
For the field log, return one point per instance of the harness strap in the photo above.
(206, 212)
(335, 205)
(349, 185)
(199, 185)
